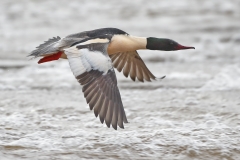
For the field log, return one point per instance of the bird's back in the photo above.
(57, 44)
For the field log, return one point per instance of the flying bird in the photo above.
(92, 57)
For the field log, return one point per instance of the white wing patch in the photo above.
(97, 60)
(97, 40)
(84, 60)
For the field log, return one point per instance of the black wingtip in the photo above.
(101, 119)
(108, 125)
(91, 107)
(120, 124)
(162, 77)
(133, 78)
(95, 113)
(158, 79)
(114, 126)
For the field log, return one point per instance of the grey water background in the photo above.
(192, 114)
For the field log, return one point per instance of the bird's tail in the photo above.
(48, 47)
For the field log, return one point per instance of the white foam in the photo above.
(185, 75)
(228, 78)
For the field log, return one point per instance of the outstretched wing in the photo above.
(93, 69)
(132, 64)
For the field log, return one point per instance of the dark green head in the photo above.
(164, 44)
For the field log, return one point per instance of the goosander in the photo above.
(92, 57)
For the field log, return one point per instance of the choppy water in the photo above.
(194, 113)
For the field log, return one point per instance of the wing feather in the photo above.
(133, 72)
(98, 105)
(102, 112)
(139, 72)
(132, 65)
(96, 75)
(114, 56)
(109, 113)
(127, 68)
(94, 100)
(122, 63)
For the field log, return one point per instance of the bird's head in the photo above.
(164, 44)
